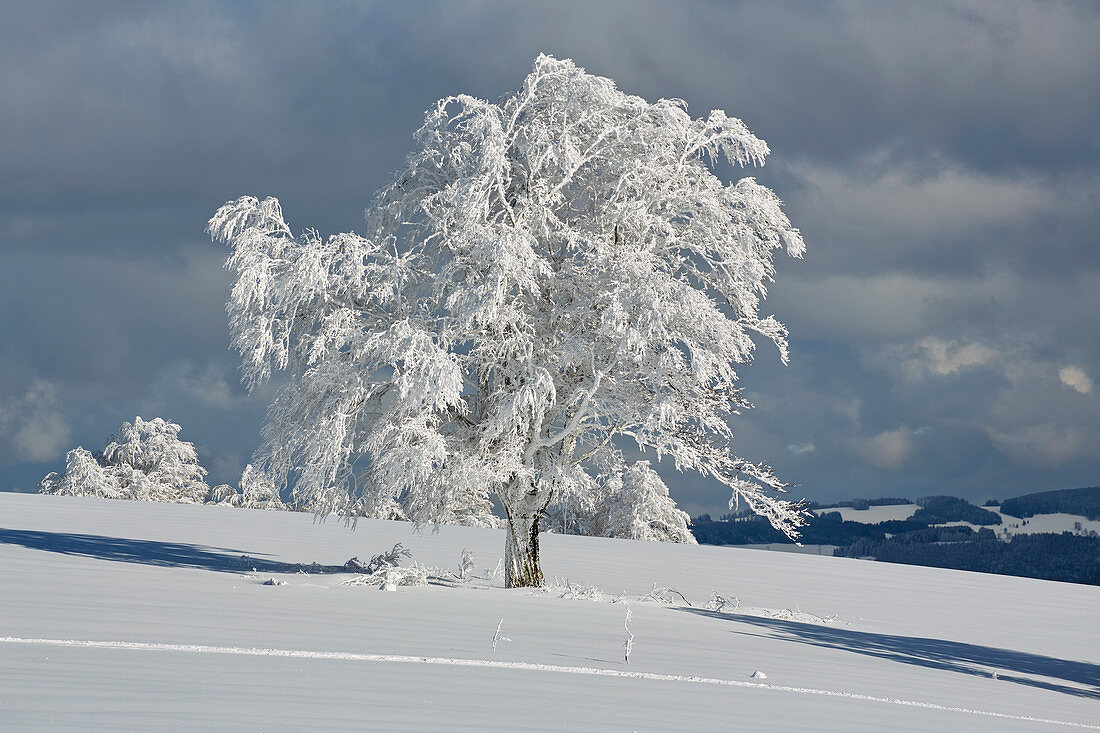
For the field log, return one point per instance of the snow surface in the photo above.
(1056, 523)
(1040, 523)
(874, 514)
(136, 616)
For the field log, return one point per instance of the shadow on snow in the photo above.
(152, 552)
(953, 656)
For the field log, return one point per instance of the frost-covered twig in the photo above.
(720, 604)
(664, 595)
(497, 637)
(786, 614)
(466, 564)
(629, 643)
(573, 591)
(390, 559)
(496, 575)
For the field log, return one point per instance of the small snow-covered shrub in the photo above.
(389, 559)
(498, 637)
(721, 604)
(384, 569)
(574, 591)
(667, 596)
(393, 577)
(258, 491)
(83, 476)
(466, 564)
(222, 495)
(628, 645)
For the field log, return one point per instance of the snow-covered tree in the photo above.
(83, 476)
(630, 503)
(637, 506)
(223, 495)
(545, 277)
(257, 491)
(150, 458)
(578, 503)
(144, 461)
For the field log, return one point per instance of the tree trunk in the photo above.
(521, 550)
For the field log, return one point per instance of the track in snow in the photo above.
(527, 666)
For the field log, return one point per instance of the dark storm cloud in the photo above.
(940, 158)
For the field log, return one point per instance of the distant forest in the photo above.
(1085, 502)
(1067, 557)
(1071, 557)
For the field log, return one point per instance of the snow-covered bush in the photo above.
(84, 475)
(564, 588)
(578, 504)
(392, 578)
(545, 276)
(466, 564)
(222, 494)
(257, 491)
(389, 559)
(385, 570)
(632, 504)
(144, 461)
(637, 507)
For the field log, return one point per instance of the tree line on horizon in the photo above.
(1067, 556)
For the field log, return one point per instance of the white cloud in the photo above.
(889, 449)
(886, 198)
(1041, 446)
(859, 307)
(42, 437)
(800, 448)
(212, 390)
(936, 357)
(206, 385)
(1075, 377)
(225, 467)
(33, 425)
(943, 358)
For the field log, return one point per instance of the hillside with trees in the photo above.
(1084, 502)
(932, 536)
(1066, 557)
(944, 509)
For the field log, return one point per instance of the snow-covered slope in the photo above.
(873, 514)
(1053, 523)
(1056, 523)
(198, 642)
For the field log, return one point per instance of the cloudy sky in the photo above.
(941, 158)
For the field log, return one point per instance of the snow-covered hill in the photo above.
(1010, 525)
(131, 616)
(873, 514)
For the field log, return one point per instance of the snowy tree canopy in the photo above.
(548, 279)
(257, 491)
(144, 461)
(631, 504)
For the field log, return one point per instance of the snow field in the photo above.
(151, 574)
(1042, 523)
(873, 514)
